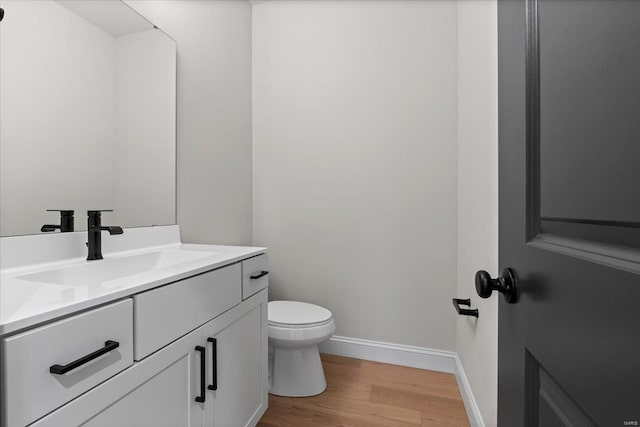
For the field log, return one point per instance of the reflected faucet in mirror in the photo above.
(66, 222)
(94, 231)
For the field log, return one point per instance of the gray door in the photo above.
(569, 129)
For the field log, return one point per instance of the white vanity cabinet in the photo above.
(196, 355)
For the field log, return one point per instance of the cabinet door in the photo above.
(158, 391)
(241, 365)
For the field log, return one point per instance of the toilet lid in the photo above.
(297, 313)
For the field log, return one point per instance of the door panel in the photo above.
(549, 404)
(569, 208)
(587, 70)
(588, 73)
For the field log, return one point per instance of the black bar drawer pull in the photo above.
(457, 302)
(259, 275)
(202, 396)
(108, 346)
(214, 365)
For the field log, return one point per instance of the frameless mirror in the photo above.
(87, 115)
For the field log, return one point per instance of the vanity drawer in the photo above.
(255, 275)
(165, 314)
(103, 337)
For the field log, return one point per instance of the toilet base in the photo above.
(296, 372)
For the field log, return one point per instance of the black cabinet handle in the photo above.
(457, 302)
(259, 275)
(214, 366)
(60, 369)
(202, 396)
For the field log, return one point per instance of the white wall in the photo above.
(354, 154)
(48, 124)
(214, 115)
(477, 340)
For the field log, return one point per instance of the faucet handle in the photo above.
(63, 212)
(66, 221)
(95, 215)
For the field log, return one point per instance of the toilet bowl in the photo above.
(295, 331)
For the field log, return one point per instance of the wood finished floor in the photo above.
(363, 393)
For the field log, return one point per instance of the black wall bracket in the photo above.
(457, 302)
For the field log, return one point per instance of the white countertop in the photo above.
(26, 303)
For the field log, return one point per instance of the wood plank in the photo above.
(332, 412)
(433, 408)
(363, 393)
(339, 360)
(408, 379)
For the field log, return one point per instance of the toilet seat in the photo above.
(297, 315)
(298, 324)
(305, 326)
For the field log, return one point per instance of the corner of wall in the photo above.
(477, 210)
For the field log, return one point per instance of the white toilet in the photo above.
(295, 331)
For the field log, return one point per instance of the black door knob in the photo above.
(505, 284)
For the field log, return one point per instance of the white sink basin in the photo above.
(109, 269)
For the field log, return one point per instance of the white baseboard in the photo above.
(395, 354)
(414, 357)
(470, 404)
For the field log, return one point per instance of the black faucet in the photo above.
(94, 230)
(66, 222)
